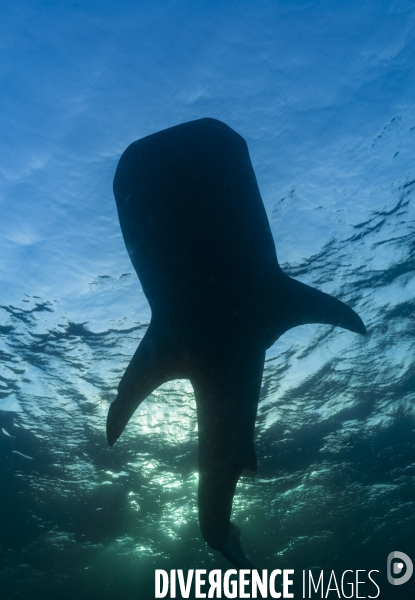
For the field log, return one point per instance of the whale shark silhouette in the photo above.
(198, 236)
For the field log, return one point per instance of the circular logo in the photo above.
(397, 568)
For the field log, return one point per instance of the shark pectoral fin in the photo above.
(304, 304)
(151, 365)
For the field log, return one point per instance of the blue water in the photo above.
(323, 94)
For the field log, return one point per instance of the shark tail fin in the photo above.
(152, 365)
(304, 304)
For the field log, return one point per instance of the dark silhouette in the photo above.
(198, 236)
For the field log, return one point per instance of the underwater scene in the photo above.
(323, 93)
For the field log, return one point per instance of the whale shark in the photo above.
(199, 239)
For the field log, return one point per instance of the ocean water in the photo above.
(323, 94)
